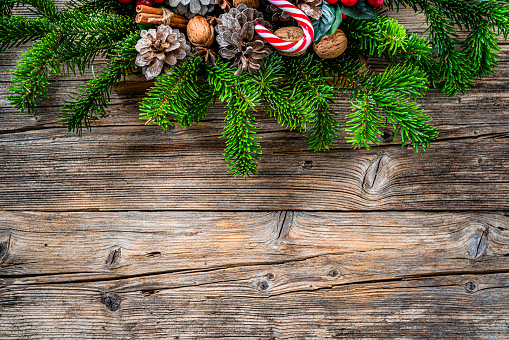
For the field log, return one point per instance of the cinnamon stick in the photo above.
(177, 21)
(148, 10)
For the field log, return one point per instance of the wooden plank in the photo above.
(446, 307)
(139, 168)
(279, 275)
(40, 247)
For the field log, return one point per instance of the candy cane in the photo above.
(288, 46)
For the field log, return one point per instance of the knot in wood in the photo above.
(333, 273)
(263, 285)
(471, 287)
(479, 243)
(376, 176)
(111, 301)
(5, 243)
(114, 256)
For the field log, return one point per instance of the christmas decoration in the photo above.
(310, 8)
(289, 46)
(376, 3)
(231, 60)
(331, 46)
(290, 34)
(161, 49)
(237, 39)
(249, 3)
(191, 8)
(200, 32)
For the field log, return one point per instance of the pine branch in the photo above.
(286, 106)
(307, 79)
(390, 97)
(242, 150)
(92, 99)
(42, 8)
(29, 79)
(16, 31)
(6, 7)
(173, 96)
(483, 18)
(98, 6)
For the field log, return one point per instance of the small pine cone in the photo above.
(191, 8)
(160, 50)
(310, 8)
(238, 40)
(277, 13)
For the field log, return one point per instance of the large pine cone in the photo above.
(160, 50)
(238, 40)
(192, 8)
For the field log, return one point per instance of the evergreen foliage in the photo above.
(296, 91)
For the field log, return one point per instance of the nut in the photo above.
(290, 34)
(331, 46)
(249, 3)
(200, 32)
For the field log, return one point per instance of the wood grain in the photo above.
(139, 168)
(132, 233)
(280, 275)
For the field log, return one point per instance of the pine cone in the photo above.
(277, 13)
(310, 7)
(238, 40)
(160, 50)
(191, 8)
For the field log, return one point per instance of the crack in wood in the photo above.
(114, 256)
(285, 220)
(480, 243)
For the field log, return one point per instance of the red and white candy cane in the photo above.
(289, 46)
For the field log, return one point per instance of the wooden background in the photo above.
(134, 233)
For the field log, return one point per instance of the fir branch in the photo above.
(42, 8)
(306, 77)
(98, 6)
(483, 18)
(288, 107)
(242, 149)
(173, 95)
(390, 97)
(6, 7)
(92, 99)
(29, 79)
(16, 31)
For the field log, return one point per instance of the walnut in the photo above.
(200, 32)
(331, 46)
(249, 3)
(290, 33)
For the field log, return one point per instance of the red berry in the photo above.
(344, 16)
(139, 2)
(348, 2)
(157, 1)
(376, 3)
(147, 3)
(125, 2)
(332, 2)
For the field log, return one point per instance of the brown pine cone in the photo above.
(238, 40)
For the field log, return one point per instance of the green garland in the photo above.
(68, 41)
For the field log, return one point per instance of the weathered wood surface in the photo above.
(272, 275)
(132, 233)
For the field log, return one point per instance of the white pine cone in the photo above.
(160, 50)
(191, 8)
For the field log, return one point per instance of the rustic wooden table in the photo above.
(132, 233)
